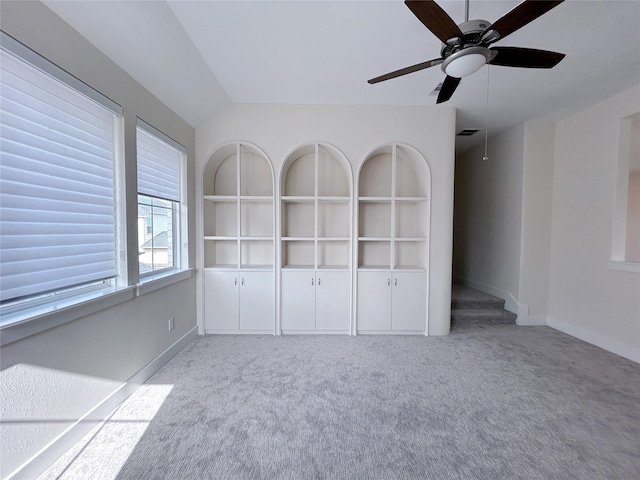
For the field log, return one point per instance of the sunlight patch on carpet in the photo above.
(114, 439)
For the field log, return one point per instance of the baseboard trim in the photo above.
(392, 332)
(532, 321)
(238, 332)
(596, 339)
(315, 332)
(39, 463)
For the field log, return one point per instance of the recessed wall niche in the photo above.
(239, 240)
(393, 213)
(316, 240)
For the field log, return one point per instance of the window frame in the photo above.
(155, 279)
(175, 228)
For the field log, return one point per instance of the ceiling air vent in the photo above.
(436, 90)
(467, 132)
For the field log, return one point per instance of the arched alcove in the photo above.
(316, 240)
(393, 219)
(239, 240)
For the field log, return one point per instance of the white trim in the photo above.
(393, 332)
(315, 332)
(624, 266)
(613, 346)
(39, 319)
(42, 460)
(156, 282)
(532, 321)
(210, 331)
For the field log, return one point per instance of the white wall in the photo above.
(563, 176)
(488, 216)
(52, 379)
(586, 298)
(537, 195)
(356, 131)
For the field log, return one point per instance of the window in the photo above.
(626, 234)
(160, 206)
(59, 236)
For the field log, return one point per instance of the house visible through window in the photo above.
(58, 191)
(156, 234)
(160, 162)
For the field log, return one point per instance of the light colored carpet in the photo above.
(494, 402)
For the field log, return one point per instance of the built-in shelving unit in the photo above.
(239, 243)
(392, 247)
(341, 268)
(315, 238)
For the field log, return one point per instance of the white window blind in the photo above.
(57, 192)
(158, 164)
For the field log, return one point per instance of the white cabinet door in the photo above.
(257, 305)
(298, 300)
(374, 301)
(333, 301)
(221, 300)
(408, 299)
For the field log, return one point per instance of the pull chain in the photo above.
(486, 121)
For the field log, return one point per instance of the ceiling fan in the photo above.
(465, 47)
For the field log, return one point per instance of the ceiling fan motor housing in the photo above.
(471, 36)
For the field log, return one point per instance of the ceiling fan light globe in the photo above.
(466, 62)
(465, 66)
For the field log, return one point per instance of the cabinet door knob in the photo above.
(395, 282)
(242, 281)
(318, 281)
(388, 282)
(235, 281)
(311, 280)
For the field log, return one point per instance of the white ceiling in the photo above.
(200, 56)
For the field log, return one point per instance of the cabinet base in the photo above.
(391, 332)
(238, 332)
(315, 332)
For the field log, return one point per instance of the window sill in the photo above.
(624, 266)
(44, 317)
(156, 282)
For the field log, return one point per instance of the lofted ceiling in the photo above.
(200, 56)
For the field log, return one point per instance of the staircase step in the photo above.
(469, 304)
(463, 297)
(474, 316)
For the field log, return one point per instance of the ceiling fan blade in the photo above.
(448, 87)
(404, 71)
(517, 18)
(435, 19)
(525, 57)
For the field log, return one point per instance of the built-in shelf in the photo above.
(324, 241)
(316, 241)
(392, 209)
(238, 208)
(316, 210)
(392, 242)
(239, 241)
